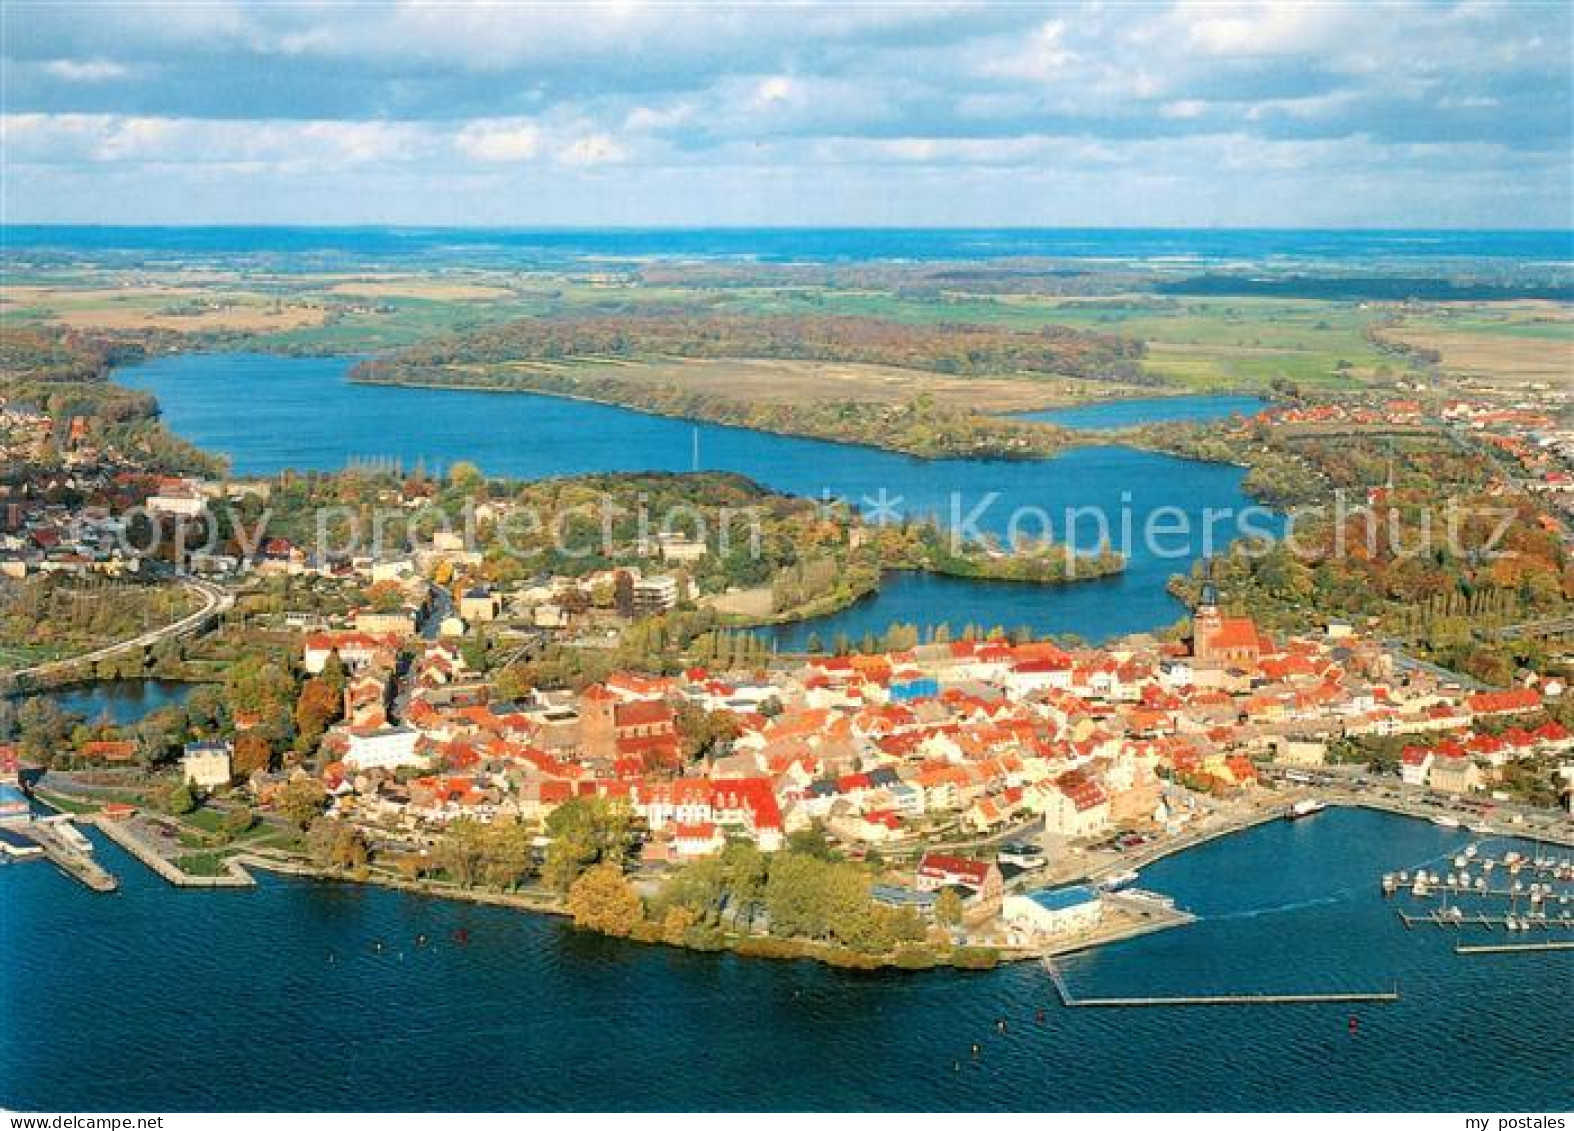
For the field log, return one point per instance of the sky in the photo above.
(1113, 114)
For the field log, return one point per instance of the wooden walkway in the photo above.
(1070, 1002)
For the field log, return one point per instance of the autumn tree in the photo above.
(238, 821)
(259, 687)
(252, 752)
(602, 900)
(585, 831)
(948, 908)
(461, 850)
(507, 853)
(43, 729)
(301, 800)
(337, 844)
(703, 732)
(159, 735)
(317, 707)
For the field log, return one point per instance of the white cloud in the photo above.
(777, 90)
(1044, 58)
(593, 149)
(690, 95)
(1183, 109)
(142, 139)
(1264, 28)
(85, 70)
(498, 140)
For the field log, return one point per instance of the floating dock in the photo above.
(1436, 918)
(1070, 1002)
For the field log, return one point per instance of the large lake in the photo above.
(160, 999)
(270, 413)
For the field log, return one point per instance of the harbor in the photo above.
(1285, 908)
(56, 840)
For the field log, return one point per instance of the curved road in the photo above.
(215, 600)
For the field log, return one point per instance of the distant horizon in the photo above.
(348, 226)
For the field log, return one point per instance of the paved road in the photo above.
(215, 600)
(1406, 662)
(1559, 626)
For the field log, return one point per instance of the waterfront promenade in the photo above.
(145, 851)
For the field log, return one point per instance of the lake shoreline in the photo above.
(719, 422)
(982, 955)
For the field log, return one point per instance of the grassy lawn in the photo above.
(285, 840)
(67, 804)
(203, 864)
(207, 820)
(26, 655)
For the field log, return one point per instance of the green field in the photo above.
(1194, 343)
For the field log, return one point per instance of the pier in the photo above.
(1070, 1002)
(74, 863)
(1436, 918)
(1513, 948)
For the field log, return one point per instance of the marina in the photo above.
(56, 840)
(1513, 890)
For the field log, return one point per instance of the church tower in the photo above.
(1206, 621)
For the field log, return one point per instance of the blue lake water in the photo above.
(120, 700)
(159, 999)
(270, 413)
(1150, 410)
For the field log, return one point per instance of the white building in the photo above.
(655, 594)
(206, 765)
(1061, 911)
(386, 748)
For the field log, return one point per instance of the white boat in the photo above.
(72, 836)
(1305, 807)
(1446, 822)
(1116, 882)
